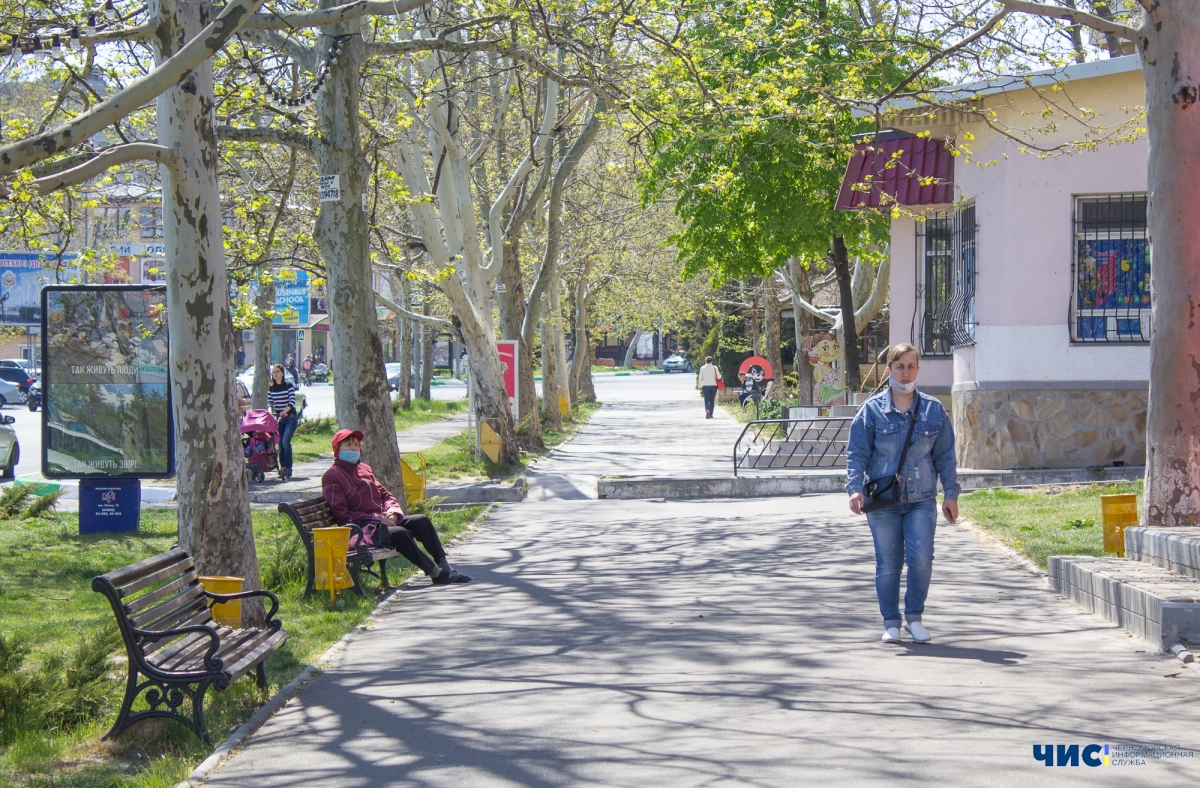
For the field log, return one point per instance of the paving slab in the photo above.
(714, 643)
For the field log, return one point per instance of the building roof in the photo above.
(908, 170)
(1033, 79)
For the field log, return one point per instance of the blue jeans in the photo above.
(287, 428)
(903, 534)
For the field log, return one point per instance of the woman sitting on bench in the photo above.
(355, 496)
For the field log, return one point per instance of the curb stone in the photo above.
(310, 672)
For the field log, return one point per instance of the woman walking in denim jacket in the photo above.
(903, 532)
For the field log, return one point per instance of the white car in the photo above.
(9, 393)
(247, 378)
(10, 448)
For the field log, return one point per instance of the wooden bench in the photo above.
(315, 513)
(176, 651)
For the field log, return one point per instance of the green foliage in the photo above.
(321, 425)
(13, 499)
(425, 505)
(43, 504)
(1079, 522)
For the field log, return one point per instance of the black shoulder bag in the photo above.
(885, 491)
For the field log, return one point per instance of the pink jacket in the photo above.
(354, 494)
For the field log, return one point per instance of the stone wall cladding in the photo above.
(1050, 428)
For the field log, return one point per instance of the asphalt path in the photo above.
(714, 643)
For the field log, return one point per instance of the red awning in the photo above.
(876, 171)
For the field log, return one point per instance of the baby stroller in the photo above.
(260, 443)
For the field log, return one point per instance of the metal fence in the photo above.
(1110, 273)
(774, 444)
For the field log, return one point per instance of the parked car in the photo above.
(246, 378)
(34, 396)
(676, 363)
(9, 393)
(18, 377)
(10, 448)
(392, 370)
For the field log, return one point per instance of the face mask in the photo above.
(903, 388)
(349, 455)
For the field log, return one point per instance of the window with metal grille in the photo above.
(946, 281)
(1110, 275)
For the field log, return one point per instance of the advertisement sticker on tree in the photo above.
(508, 362)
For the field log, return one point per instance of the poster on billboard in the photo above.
(291, 299)
(105, 383)
(22, 276)
(507, 348)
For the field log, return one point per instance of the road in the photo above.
(713, 643)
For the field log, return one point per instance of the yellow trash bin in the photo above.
(228, 614)
(415, 482)
(1118, 512)
(330, 546)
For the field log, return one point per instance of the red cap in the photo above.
(342, 435)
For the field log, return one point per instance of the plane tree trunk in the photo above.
(214, 511)
(1170, 47)
(361, 398)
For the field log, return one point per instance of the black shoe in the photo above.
(449, 576)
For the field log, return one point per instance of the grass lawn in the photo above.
(61, 663)
(1045, 521)
(311, 441)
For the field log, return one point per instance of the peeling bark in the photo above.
(263, 302)
(554, 359)
(1170, 45)
(214, 511)
(361, 398)
(772, 352)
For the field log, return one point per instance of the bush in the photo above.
(67, 689)
(318, 426)
(281, 556)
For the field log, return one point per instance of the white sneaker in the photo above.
(891, 635)
(918, 631)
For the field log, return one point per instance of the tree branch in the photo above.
(439, 44)
(134, 151)
(80, 129)
(1073, 15)
(304, 55)
(291, 139)
(933, 58)
(416, 317)
(331, 16)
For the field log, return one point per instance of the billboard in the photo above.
(291, 299)
(105, 383)
(22, 275)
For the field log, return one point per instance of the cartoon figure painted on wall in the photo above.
(824, 354)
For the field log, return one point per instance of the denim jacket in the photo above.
(877, 437)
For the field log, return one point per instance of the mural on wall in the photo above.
(1114, 274)
(824, 355)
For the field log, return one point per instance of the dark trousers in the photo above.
(418, 528)
(287, 428)
(710, 398)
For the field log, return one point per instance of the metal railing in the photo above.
(776, 444)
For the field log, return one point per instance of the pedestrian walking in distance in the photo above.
(901, 443)
(709, 376)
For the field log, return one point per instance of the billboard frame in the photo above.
(46, 382)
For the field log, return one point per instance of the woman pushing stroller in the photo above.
(281, 401)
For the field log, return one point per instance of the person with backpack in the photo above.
(901, 442)
(355, 496)
(307, 365)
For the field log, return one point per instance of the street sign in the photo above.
(328, 188)
(507, 348)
